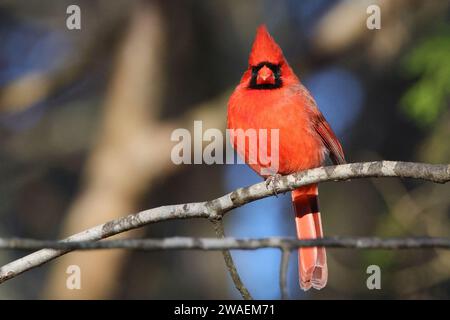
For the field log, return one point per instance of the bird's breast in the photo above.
(277, 113)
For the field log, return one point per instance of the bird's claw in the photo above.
(272, 183)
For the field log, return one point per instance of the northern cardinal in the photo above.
(270, 96)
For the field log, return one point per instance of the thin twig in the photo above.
(220, 232)
(218, 207)
(285, 254)
(212, 244)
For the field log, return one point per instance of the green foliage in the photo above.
(385, 259)
(427, 98)
(387, 226)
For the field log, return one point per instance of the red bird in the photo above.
(270, 96)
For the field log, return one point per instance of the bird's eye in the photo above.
(254, 71)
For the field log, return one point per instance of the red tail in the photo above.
(312, 262)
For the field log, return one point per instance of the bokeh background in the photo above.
(86, 117)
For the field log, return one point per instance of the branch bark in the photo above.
(285, 254)
(218, 207)
(220, 232)
(213, 244)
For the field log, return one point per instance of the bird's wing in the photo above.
(329, 139)
(324, 130)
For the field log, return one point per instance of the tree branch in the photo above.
(220, 232)
(285, 254)
(218, 207)
(214, 244)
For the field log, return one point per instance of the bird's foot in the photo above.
(272, 183)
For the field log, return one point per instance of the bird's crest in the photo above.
(265, 49)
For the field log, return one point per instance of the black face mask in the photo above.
(276, 69)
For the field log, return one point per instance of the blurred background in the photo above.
(86, 117)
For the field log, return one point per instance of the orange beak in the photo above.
(265, 76)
